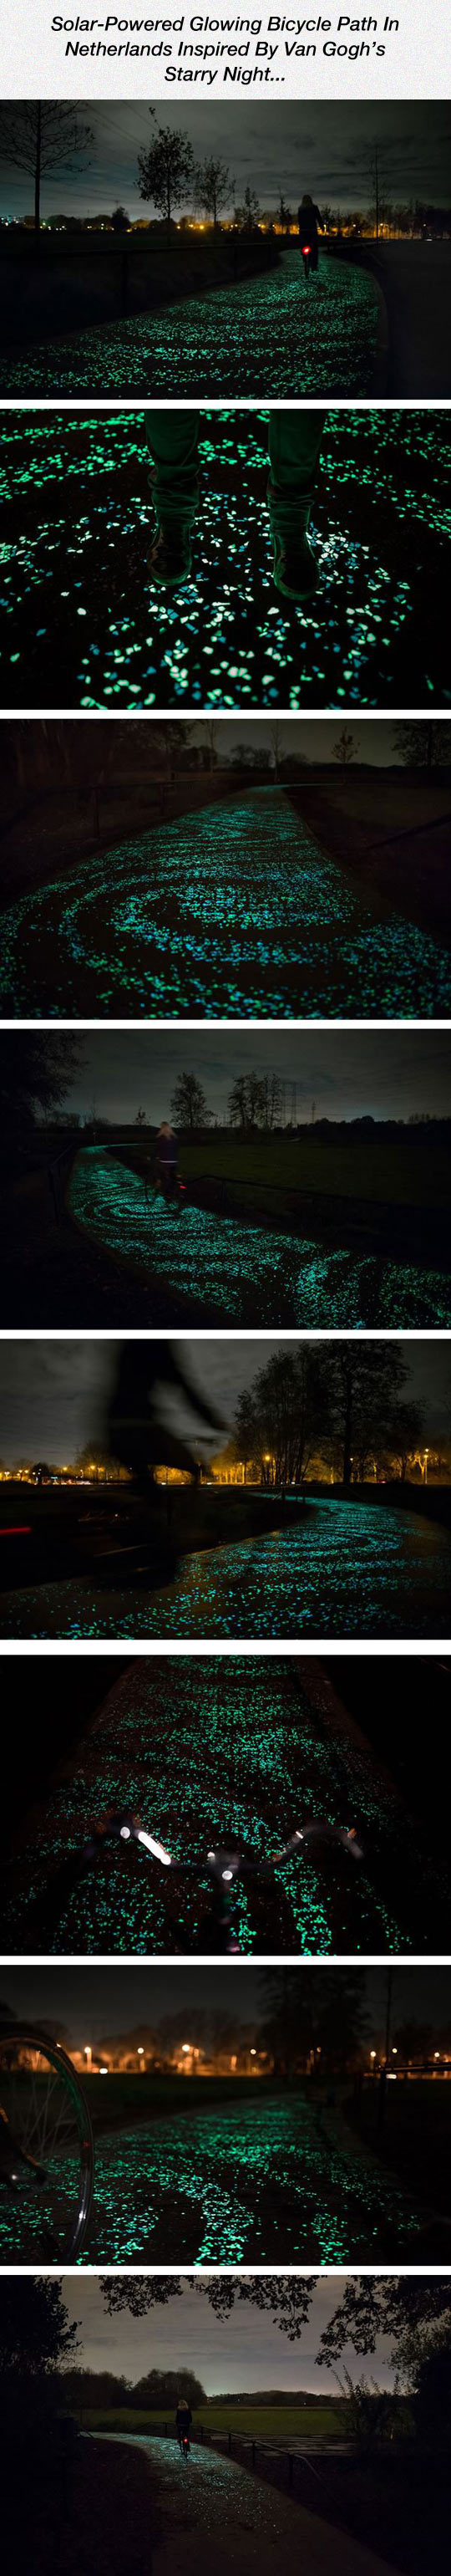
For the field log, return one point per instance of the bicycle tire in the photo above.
(21, 2035)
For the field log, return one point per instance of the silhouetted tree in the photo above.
(214, 186)
(35, 2334)
(283, 213)
(367, 1380)
(247, 216)
(36, 1073)
(407, 2311)
(245, 1435)
(285, 2298)
(290, 1398)
(42, 137)
(188, 1103)
(424, 744)
(327, 2016)
(166, 169)
(344, 749)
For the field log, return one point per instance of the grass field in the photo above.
(406, 1167)
(264, 2422)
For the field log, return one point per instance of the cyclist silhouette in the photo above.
(138, 1436)
(309, 221)
(166, 1161)
(183, 2421)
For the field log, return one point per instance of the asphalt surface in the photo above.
(416, 281)
(212, 2513)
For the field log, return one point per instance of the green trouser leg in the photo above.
(294, 439)
(174, 446)
(294, 446)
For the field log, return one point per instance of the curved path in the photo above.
(265, 2179)
(271, 1747)
(220, 1269)
(231, 912)
(347, 1569)
(211, 2514)
(268, 335)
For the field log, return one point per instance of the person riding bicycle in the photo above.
(183, 2421)
(166, 1160)
(309, 220)
(147, 1375)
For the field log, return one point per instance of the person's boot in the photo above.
(295, 570)
(170, 560)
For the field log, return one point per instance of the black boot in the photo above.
(170, 555)
(295, 569)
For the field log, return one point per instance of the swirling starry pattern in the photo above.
(269, 335)
(231, 1273)
(82, 623)
(346, 1570)
(226, 1747)
(259, 2181)
(232, 912)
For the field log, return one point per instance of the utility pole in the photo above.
(37, 171)
(376, 187)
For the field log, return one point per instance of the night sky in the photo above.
(323, 147)
(52, 1392)
(95, 2003)
(312, 737)
(386, 1074)
(245, 2351)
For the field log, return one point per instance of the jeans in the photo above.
(294, 439)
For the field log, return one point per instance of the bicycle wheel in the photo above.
(46, 2151)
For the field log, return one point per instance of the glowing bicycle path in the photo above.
(262, 2180)
(83, 623)
(344, 1570)
(267, 335)
(232, 911)
(212, 2513)
(241, 1273)
(264, 1749)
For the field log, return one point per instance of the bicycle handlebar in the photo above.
(226, 1865)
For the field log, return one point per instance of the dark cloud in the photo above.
(349, 1074)
(324, 146)
(52, 1394)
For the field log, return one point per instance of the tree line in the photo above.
(347, 1399)
(38, 2343)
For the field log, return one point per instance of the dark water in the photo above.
(231, 912)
